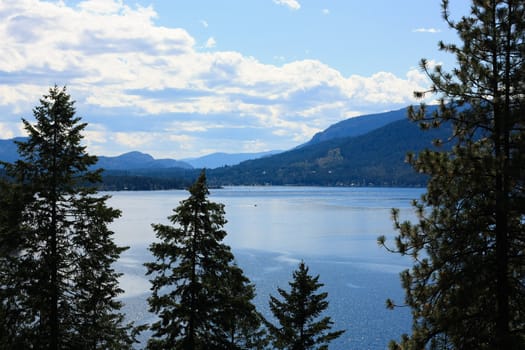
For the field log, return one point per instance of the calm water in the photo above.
(270, 229)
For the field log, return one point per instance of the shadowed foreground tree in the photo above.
(58, 287)
(202, 298)
(298, 314)
(466, 288)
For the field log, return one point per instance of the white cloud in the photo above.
(116, 61)
(100, 6)
(96, 133)
(426, 30)
(185, 144)
(183, 139)
(210, 43)
(133, 140)
(5, 131)
(20, 96)
(96, 138)
(204, 23)
(190, 126)
(293, 4)
(41, 36)
(252, 146)
(385, 88)
(326, 11)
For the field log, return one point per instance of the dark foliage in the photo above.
(301, 326)
(146, 180)
(58, 287)
(202, 298)
(467, 286)
(373, 159)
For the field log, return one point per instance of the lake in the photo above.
(271, 229)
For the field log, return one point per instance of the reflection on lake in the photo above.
(270, 229)
(305, 220)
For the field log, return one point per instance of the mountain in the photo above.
(360, 125)
(126, 161)
(376, 158)
(137, 160)
(9, 150)
(216, 160)
(354, 152)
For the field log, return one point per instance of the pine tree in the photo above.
(298, 314)
(15, 320)
(96, 283)
(58, 285)
(466, 288)
(241, 324)
(195, 284)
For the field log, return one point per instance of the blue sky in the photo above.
(179, 78)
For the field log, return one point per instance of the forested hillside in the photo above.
(360, 125)
(374, 159)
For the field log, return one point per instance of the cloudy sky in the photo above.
(181, 78)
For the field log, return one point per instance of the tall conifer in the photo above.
(195, 285)
(298, 313)
(58, 286)
(466, 288)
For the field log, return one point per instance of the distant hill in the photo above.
(9, 150)
(127, 161)
(362, 151)
(376, 158)
(360, 125)
(215, 160)
(137, 160)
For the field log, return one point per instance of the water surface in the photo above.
(271, 229)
